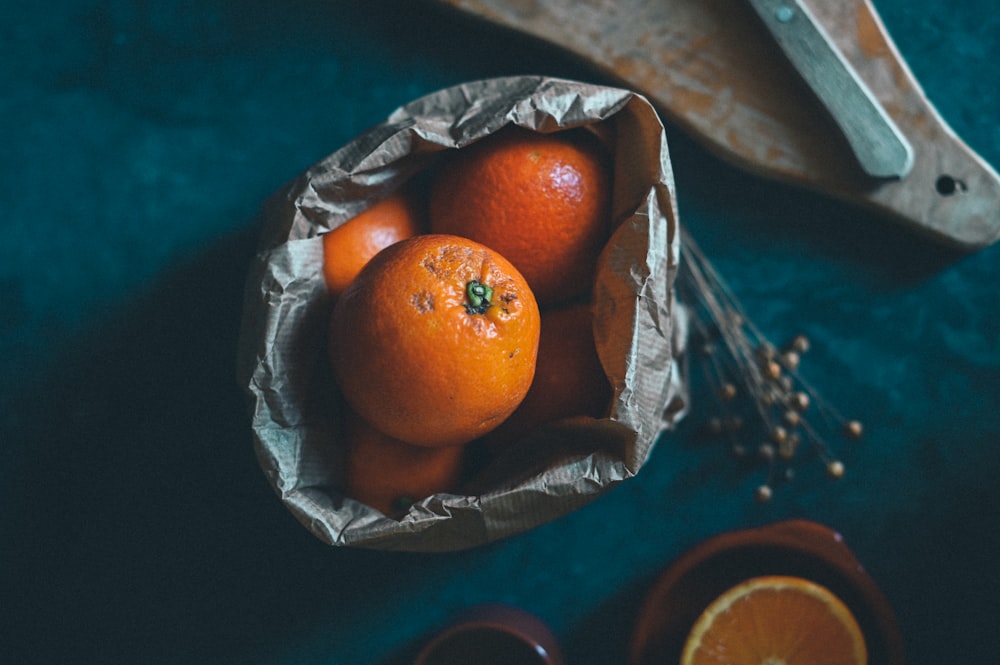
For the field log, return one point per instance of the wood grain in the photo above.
(712, 69)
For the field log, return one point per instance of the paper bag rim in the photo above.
(637, 325)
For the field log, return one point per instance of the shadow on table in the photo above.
(139, 527)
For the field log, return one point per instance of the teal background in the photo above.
(138, 141)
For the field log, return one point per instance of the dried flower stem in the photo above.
(741, 362)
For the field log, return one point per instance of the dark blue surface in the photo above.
(138, 142)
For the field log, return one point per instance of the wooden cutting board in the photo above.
(714, 70)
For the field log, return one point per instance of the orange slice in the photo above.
(776, 620)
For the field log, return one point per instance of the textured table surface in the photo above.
(138, 142)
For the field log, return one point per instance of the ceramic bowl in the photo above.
(493, 634)
(797, 547)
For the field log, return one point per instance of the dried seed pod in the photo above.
(799, 344)
(765, 351)
(787, 449)
(798, 401)
(779, 434)
(763, 494)
(765, 451)
(791, 418)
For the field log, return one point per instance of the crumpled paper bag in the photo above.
(638, 326)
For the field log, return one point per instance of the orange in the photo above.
(776, 620)
(435, 341)
(541, 200)
(347, 248)
(390, 475)
(569, 378)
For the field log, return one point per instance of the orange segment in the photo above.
(776, 620)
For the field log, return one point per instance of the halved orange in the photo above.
(776, 620)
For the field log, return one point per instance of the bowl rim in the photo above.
(798, 547)
(510, 620)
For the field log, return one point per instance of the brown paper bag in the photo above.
(638, 327)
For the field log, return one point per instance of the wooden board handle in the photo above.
(713, 70)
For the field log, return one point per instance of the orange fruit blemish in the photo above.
(543, 201)
(347, 248)
(776, 620)
(435, 341)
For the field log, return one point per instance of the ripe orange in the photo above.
(435, 341)
(541, 200)
(347, 248)
(776, 620)
(569, 378)
(390, 475)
